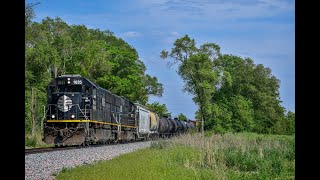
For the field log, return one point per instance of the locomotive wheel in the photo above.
(86, 144)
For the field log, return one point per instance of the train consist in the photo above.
(81, 113)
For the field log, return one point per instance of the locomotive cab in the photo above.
(69, 97)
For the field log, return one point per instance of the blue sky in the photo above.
(263, 30)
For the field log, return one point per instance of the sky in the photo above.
(263, 30)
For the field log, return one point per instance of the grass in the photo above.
(35, 141)
(228, 156)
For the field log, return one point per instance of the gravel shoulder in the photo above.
(43, 165)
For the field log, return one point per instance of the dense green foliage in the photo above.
(52, 48)
(229, 156)
(196, 69)
(182, 117)
(233, 94)
(160, 109)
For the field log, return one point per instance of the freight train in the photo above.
(80, 112)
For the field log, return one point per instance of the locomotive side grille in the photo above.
(64, 103)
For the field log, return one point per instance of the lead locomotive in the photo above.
(81, 112)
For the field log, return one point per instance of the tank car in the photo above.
(190, 125)
(163, 127)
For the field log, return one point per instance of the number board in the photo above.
(77, 81)
(61, 82)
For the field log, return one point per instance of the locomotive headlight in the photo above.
(72, 116)
(53, 116)
(68, 82)
(68, 79)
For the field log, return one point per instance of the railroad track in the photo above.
(51, 149)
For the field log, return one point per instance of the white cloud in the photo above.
(153, 2)
(215, 10)
(277, 3)
(131, 34)
(174, 33)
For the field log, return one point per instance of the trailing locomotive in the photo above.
(79, 112)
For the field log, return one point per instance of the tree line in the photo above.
(52, 48)
(233, 94)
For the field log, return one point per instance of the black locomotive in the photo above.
(80, 113)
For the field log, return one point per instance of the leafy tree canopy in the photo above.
(232, 93)
(160, 109)
(52, 48)
(182, 117)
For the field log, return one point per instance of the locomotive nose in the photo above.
(64, 103)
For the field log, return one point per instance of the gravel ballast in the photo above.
(43, 165)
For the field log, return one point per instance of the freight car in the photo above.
(79, 112)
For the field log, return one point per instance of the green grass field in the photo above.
(192, 156)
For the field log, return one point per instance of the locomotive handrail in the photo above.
(115, 118)
(85, 115)
(85, 110)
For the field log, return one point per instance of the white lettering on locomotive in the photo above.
(77, 82)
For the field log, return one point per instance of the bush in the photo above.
(161, 144)
(31, 141)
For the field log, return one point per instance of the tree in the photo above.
(285, 125)
(152, 85)
(160, 109)
(36, 75)
(232, 93)
(29, 13)
(195, 67)
(291, 119)
(52, 48)
(250, 93)
(182, 117)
